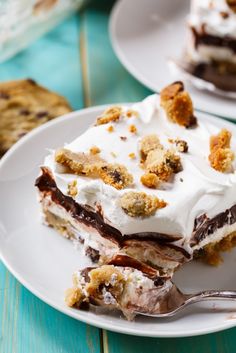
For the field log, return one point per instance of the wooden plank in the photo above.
(27, 325)
(30, 326)
(107, 79)
(222, 342)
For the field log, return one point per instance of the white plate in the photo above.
(43, 261)
(146, 34)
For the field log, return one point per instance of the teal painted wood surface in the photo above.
(77, 61)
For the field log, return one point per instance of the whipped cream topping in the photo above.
(210, 13)
(196, 190)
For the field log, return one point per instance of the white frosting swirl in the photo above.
(196, 190)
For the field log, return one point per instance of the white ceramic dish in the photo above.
(147, 36)
(43, 261)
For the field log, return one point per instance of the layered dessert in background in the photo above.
(211, 48)
(23, 21)
(144, 190)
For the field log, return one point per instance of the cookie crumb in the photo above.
(114, 154)
(139, 204)
(111, 114)
(132, 155)
(181, 145)
(150, 180)
(72, 188)
(131, 113)
(148, 144)
(116, 175)
(178, 105)
(74, 296)
(93, 166)
(106, 275)
(163, 163)
(221, 156)
(232, 5)
(132, 129)
(94, 150)
(110, 128)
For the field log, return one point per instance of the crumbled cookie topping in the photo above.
(74, 296)
(131, 113)
(116, 175)
(108, 276)
(90, 165)
(94, 150)
(177, 104)
(232, 5)
(79, 163)
(181, 146)
(132, 129)
(148, 144)
(110, 128)
(163, 163)
(137, 204)
(132, 155)
(221, 156)
(72, 188)
(150, 180)
(222, 140)
(109, 115)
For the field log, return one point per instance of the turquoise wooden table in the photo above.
(76, 60)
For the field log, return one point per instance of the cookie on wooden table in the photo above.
(25, 105)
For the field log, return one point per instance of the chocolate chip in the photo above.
(159, 282)
(123, 138)
(116, 176)
(84, 306)
(24, 112)
(30, 80)
(4, 95)
(40, 115)
(92, 253)
(21, 134)
(224, 14)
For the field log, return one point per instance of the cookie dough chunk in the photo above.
(178, 104)
(221, 156)
(137, 204)
(25, 105)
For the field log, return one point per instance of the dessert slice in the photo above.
(211, 50)
(123, 288)
(147, 188)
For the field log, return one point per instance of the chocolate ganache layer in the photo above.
(203, 227)
(213, 40)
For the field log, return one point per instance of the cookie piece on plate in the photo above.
(25, 105)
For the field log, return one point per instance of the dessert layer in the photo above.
(195, 188)
(212, 33)
(162, 251)
(123, 288)
(216, 16)
(222, 74)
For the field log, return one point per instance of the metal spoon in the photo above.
(174, 301)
